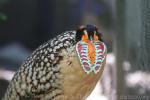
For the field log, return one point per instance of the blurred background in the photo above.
(125, 24)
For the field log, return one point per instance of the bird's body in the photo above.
(54, 72)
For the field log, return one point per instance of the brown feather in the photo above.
(76, 83)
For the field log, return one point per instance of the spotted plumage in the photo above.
(54, 72)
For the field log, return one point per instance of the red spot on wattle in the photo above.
(99, 58)
(81, 53)
(100, 52)
(83, 56)
(84, 59)
(97, 67)
(85, 63)
(98, 63)
(101, 46)
(87, 68)
(80, 48)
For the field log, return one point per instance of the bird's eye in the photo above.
(95, 36)
(85, 36)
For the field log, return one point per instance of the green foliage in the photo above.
(3, 17)
(3, 1)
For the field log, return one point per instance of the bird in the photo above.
(66, 67)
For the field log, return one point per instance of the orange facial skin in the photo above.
(91, 47)
(85, 36)
(95, 36)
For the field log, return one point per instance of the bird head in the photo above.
(90, 48)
